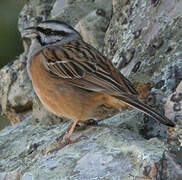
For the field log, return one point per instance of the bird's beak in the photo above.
(30, 32)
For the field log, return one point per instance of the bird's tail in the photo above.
(134, 102)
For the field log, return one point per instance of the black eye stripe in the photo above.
(48, 31)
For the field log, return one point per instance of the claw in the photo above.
(63, 144)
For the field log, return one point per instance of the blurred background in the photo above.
(10, 40)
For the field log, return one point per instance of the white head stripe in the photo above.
(56, 27)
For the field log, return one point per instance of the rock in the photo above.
(141, 26)
(173, 106)
(13, 175)
(90, 18)
(74, 11)
(144, 40)
(16, 92)
(93, 27)
(174, 112)
(106, 151)
(152, 24)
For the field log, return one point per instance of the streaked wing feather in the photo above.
(85, 67)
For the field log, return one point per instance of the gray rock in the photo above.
(34, 12)
(90, 18)
(74, 11)
(153, 31)
(93, 27)
(173, 106)
(135, 24)
(16, 92)
(106, 151)
(144, 39)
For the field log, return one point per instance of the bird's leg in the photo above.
(62, 142)
(60, 138)
(72, 127)
(67, 140)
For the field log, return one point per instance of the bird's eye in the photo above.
(45, 31)
(48, 31)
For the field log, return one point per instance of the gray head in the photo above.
(51, 32)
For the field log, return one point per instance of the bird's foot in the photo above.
(63, 143)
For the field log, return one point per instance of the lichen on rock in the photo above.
(143, 39)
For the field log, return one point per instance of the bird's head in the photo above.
(51, 32)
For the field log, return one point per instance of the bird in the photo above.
(72, 79)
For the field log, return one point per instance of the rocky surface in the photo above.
(16, 93)
(143, 40)
(173, 105)
(107, 151)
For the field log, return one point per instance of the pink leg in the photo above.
(67, 141)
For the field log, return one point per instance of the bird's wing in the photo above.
(83, 66)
